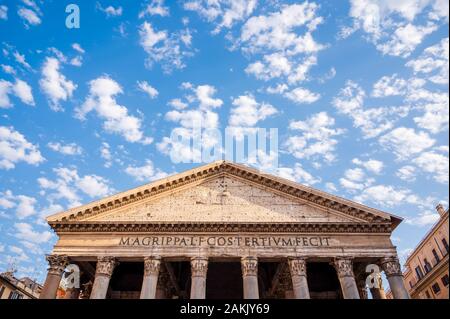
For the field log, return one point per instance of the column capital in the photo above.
(344, 266)
(391, 266)
(57, 263)
(105, 266)
(199, 266)
(152, 265)
(297, 266)
(249, 266)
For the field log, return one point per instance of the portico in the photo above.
(224, 230)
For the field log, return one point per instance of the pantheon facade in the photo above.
(224, 230)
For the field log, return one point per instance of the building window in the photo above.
(445, 280)
(15, 295)
(427, 266)
(444, 242)
(427, 294)
(419, 273)
(436, 288)
(436, 256)
(411, 284)
(2, 289)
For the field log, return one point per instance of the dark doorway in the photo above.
(323, 282)
(126, 281)
(224, 281)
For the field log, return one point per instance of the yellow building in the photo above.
(13, 288)
(426, 269)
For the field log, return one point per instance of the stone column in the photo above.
(199, 268)
(344, 269)
(104, 270)
(297, 268)
(393, 271)
(151, 272)
(250, 277)
(362, 289)
(57, 265)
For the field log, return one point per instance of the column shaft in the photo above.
(344, 268)
(199, 269)
(250, 277)
(103, 273)
(57, 264)
(392, 269)
(150, 281)
(297, 269)
(72, 293)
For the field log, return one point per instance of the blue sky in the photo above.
(357, 89)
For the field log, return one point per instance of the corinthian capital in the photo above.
(106, 265)
(249, 266)
(344, 267)
(57, 264)
(391, 266)
(152, 266)
(199, 266)
(297, 266)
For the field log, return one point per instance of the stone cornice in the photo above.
(204, 227)
(302, 192)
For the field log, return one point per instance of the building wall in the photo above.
(12, 288)
(430, 258)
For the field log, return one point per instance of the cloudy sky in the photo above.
(357, 89)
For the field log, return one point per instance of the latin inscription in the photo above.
(224, 241)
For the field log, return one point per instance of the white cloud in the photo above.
(433, 62)
(54, 84)
(20, 58)
(77, 47)
(66, 149)
(317, 139)
(371, 165)
(26, 232)
(3, 12)
(227, 11)
(162, 47)
(23, 205)
(387, 195)
(425, 218)
(20, 88)
(15, 148)
(298, 174)
(105, 153)
(69, 183)
(154, 7)
(247, 112)
(404, 142)
(177, 104)
(110, 11)
(102, 99)
(406, 173)
(147, 88)
(302, 96)
(390, 24)
(372, 121)
(146, 172)
(29, 16)
(434, 163)
(8, 69)
(389, 86)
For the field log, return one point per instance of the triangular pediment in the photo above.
(224, 192)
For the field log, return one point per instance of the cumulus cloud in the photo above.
(154, 7)
(102, 99)
(406, 173)
(388, 195)
(19, 88)
(68, 185)
(247, 112)
(26, 232)
(54, 84)
(434, 163)
(371, 165)
(302, 96)
(66, 149)
(317, 139)
(3, 12)
(147, 88)
(298, 174)
(425, 218)
(392, 25)
(29, 16)
(15, 148)
(146, 172)
(404, 142)
(371, 121)
(110, 11)
(223, 13)
(169, 50)
(24, 205)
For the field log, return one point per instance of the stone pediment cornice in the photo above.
(207, 227)
(166, 185)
